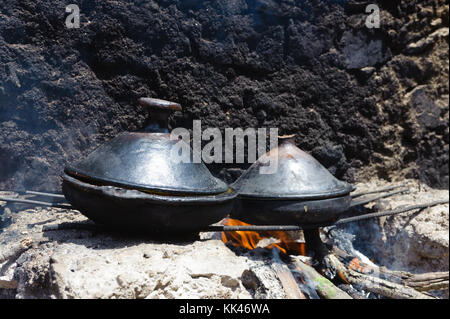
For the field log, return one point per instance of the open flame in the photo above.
(250, 239)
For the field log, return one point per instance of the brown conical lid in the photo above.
(298, 175)
(142, 160)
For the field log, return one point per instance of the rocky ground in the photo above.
(416, 242)
(84, 264)
(365, 102)
(88, 264)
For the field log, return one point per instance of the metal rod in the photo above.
(219, 228)
(45, 194)
(339, 222)
(379, 190)
(391, 212)
(368, 200)
(39, 193)
(27, 201)
(72, 226)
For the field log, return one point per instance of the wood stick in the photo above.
(332, 266)
(432, 281)
(15, 250)
(286, 278)
(428, 281)
(421, 282)
(325, 288)
(374, 284)
(8, 284)
(352, 291)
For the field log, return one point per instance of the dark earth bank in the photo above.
(365, 102)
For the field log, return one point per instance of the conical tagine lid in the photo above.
(142, 160)
(297, 175)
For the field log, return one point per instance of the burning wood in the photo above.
(373, 284)
(286, 278)
(309, 283)
(250, 239)
(420, 282)
(325, 288)
(380, 280)
(301, 281)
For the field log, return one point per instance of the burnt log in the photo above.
(432, 281)
(357, 274)
(373, 284)
(286, 278)
(325, 288)
(15, 250)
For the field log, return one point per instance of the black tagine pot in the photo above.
(132, 183)
(299, 192)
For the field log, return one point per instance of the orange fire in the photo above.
(358, 265)
(250, 239)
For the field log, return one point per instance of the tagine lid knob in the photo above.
(290, 138)
(159, 112)
(158, 104)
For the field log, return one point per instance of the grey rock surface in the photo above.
(99, 264)
(87, 264)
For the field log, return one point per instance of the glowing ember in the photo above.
(250, 239)
(357, 265)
